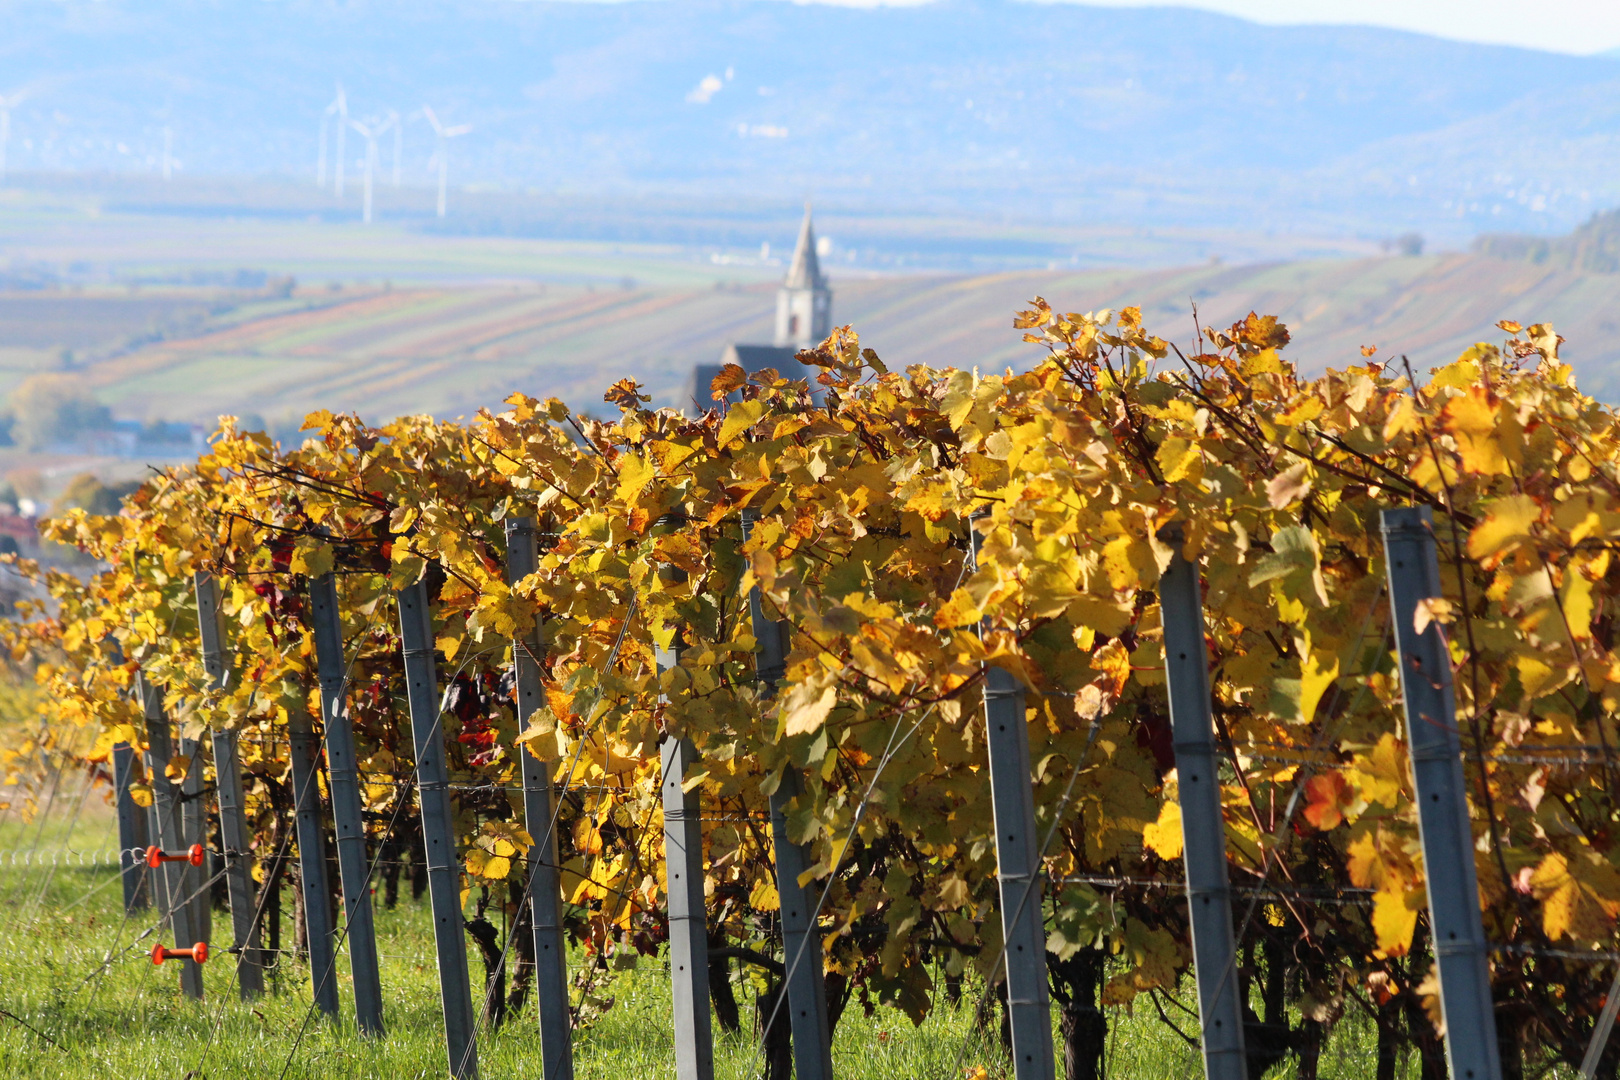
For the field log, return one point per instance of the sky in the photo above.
(1569, 26)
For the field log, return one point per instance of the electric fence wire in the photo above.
(154, 928)
(39, 896)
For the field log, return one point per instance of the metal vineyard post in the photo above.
(343, 780)
(131, 831)
(683, 875)
(539, 813)
(233, 830)
(1209, 896)
(1018, 870)
(438, 829)
(302, 754)
(1440, 792)
(166, 824)
(194, 830)
(801, 939)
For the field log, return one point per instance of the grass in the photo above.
(62, 1019)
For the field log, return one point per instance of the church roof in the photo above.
(805, 270)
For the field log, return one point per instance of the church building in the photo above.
(803, 319)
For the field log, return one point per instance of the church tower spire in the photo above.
(804, 303)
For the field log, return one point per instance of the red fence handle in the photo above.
(198, 953)
(156, 856)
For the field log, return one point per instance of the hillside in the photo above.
(1160, 118)
(448, 351)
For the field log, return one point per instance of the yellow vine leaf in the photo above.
(635, 473)
(1506, 524)
(1394, 919)
(764, 896)
(1577, 603)
(1163, 837)
(739, 418)
(806, 707)
(1289, 486)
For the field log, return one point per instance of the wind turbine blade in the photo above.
(451, 133)
(433, 118)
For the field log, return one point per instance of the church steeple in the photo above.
(804, 303)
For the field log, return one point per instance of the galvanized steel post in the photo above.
(683, 871)
(228, 789)
(539, 812)
(194, 830)
(131, 831)
(438, 830)
(688, 923)
(1209, 898)
(801, 938)
(170, 880)
(1018, 870)
(343, 780)
(1440, 789)
(303, 755)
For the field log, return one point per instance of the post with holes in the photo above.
(801, 938)
(302, 753)
(683, 869)
(170, 880)
(1018, 870)
(194, 830)
(343, 779)
(539, 812)
(233, 831)
(1437, 782)
(438, 829)
(1209, 895)
(131, 831)
(688, 923)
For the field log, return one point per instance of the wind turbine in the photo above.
(7, 103)
(442, 152)
(339, 108)
(168, 150)
(399, 141)
(369, 130)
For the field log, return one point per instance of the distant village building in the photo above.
(803, 319)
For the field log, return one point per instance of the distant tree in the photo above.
(1409, 244)
(88, 493)
(54, 408)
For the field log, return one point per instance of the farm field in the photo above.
(60, 1019)
(386, 351)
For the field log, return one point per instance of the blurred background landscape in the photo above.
(562, 194)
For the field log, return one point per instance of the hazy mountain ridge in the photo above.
(1160, 117)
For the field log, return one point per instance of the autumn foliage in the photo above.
(866, 492)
